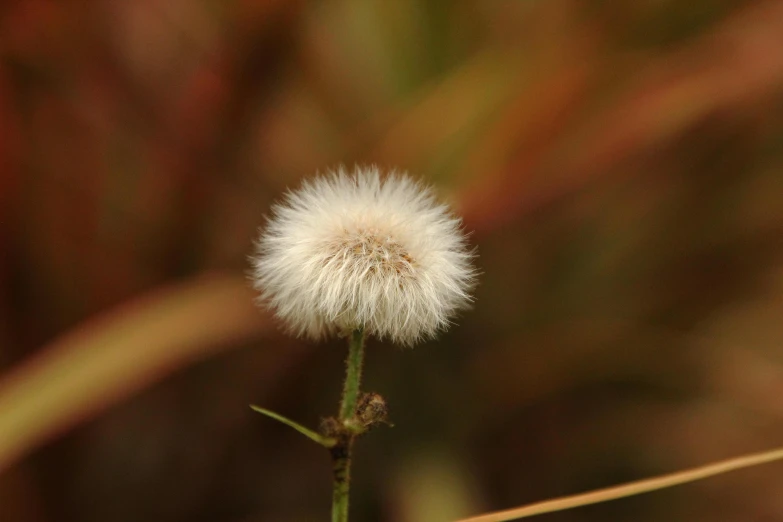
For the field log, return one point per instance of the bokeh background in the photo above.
(619, 163)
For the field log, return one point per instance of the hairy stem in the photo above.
(341, 452)
(341, 459)
(353, 376)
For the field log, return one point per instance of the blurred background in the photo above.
(619, 163)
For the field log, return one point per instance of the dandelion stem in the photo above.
(353, 376)
(341, 452)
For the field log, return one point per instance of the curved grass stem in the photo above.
(631, 488)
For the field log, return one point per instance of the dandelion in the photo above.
(361, 254)
(360, 250)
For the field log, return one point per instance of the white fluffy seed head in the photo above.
(355, 250)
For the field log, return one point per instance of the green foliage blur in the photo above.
(620, 166)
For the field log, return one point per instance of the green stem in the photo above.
(341, 452)
(341, 457)
(353, 376)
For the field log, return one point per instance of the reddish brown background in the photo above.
(620, 164)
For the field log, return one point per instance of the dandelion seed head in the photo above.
(349, 250)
